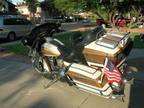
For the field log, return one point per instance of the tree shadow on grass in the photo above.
(137, 42)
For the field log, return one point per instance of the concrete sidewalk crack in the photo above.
(83, 101)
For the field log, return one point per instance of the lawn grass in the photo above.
(65, 37)
(136, 39)
(17, 48)
(20, 49)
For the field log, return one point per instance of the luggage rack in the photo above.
(112, 40)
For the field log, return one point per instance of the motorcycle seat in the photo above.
(69, 54)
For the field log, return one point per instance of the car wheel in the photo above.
(11, 36)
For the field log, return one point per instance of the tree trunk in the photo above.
(97, 13)
(33, 18)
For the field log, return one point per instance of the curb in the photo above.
(10, 43)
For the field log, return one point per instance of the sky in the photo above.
(16, 1)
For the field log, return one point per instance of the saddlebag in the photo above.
(89, 79)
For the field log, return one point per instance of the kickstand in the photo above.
(123, 97)
(120, 97)
(51, 83)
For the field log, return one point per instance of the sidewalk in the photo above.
(22, 87)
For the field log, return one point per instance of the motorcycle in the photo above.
(94, 63)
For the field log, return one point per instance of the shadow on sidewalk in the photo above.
(13, 57)
(136, 95)
(12, 66)
(137, 87)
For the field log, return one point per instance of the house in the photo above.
(7, 7)
(23, 9)
(48, 10)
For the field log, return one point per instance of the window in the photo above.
(20, 21)
(16, 21)
(26, 22)
(9, 21)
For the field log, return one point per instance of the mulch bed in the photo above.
(124, 29)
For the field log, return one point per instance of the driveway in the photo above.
(22, 87)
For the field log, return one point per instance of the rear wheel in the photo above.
(11, 36)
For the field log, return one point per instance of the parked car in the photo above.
(103, 22)
(85, 20)
(120, 20)
(13, 26)
(68, 18)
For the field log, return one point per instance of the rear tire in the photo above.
(11, 36)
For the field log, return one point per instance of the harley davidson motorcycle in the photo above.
(95, 63)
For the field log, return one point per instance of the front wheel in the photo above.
(41, 65)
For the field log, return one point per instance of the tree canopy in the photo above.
(32, 7)
(100, 7)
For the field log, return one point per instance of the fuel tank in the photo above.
(49, 49)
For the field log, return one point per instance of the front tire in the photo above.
(39, 65)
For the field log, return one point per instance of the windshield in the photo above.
(94, 35)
